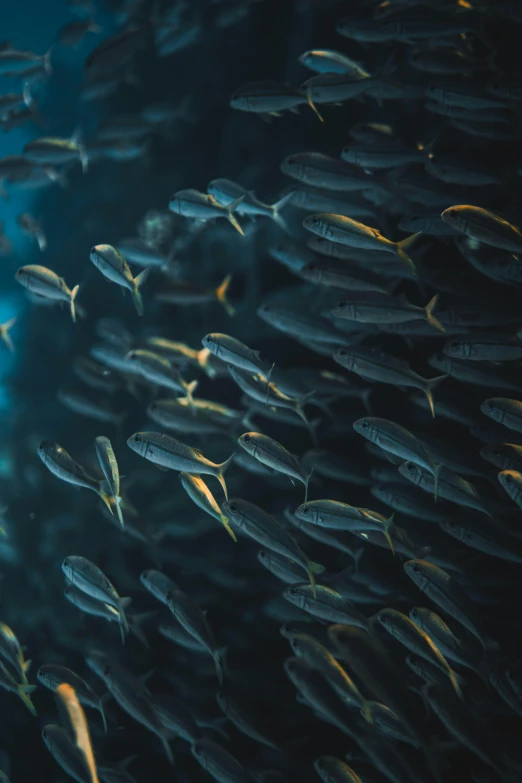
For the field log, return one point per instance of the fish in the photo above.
(45, 283)
(243, 718)
(203, 206)
(267, 98)
(374, 365)
(319, 657)
(114, 267)
(52, 675)
(54, 151)
(218, 762)
(109, 466)
(11, 651)
(23, 690)
(33, 228)
(130, 693)
(484, 226)
(379, 308)
(88, 578)
(327, 604)
(442, 588)
(275, 456)
(345, 231)
(504, 411)
(334, 515)
(402, 628)
(70, 758)
(194, 621)
(60, 463)
(158, 370)
(171, 454)
(257, 524)
(185, 293)
(198, 491)
(226, 192)
(398, 441)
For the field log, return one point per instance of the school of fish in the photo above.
(301, 424)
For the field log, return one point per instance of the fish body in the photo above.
(45, 283)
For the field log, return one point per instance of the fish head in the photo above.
(457, 217)
(416, 571)
(138, 443)
(22, 276)
(345, 359)
(323, 766)
(508, 480)
(43, 676)
(307, 512)
(492, 409)
(461, 349)
(316, 224)
(365, 428)
(68, 568)
(240, 101)
(453, 529)
(296, 595)
(232, 508)
(496, 455)
(293, 166)
(440, 362)
(99, 663)
(46, 450)
(175, 204)
(345, 309)
(411, 471)
(248, 441)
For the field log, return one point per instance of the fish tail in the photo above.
(276, 210)
(387, 526)
(47, 61)
(104, 719)
(222, 468)
(28, 98)
(312, 104)
(24, 692)
(124, 625)
(428, 390)
(454, 682)
(232, 219)
(226, 525)
(135, 626)
(74, 294)
(219, 668)
(316, 568)
(268, 383)
(436, 481)
(136, 293)
(119, 501)
(221, 295)
(404, 245)
(306, 484)
(4, 333)
(42, 240)
(431, 319)
(190, 388)
(106, 499)
(167, 748)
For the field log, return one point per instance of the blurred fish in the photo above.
(45, 283)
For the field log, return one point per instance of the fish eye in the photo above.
(319, 764)
(508, 479)
(106, 670)
(293, 592)
(291, 160)
(496, 453)
(245, 438)
(305, 509)
(93, 250)
(342, 352)
(342, 305)
(416, 570)
(232, 506)
(365, 425)
(137, 439)
(454, 344)
(453, 213)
